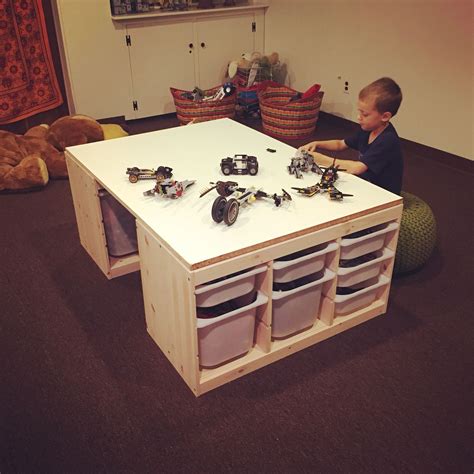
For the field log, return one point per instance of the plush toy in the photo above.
(29, 160)
(255, 67)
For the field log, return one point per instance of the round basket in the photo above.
(283, 117)
(188, 110)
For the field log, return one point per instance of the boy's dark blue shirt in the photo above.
(383, 158)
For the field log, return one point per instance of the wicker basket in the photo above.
(188, 110)
(284, 118)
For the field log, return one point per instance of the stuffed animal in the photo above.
(255, 67)
(28, 161)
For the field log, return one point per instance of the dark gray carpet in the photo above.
(84, 389)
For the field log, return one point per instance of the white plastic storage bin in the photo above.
(297, 309)
(119, 226)
(353, 248)
(345, 304)
(349, 276)
(212, 294)
(228, 336)
(288, 270)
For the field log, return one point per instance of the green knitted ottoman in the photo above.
(417, 237)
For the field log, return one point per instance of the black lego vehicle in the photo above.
(162, 172)
(240, 164)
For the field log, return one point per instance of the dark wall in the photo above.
(49, 116)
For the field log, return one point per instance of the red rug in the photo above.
(28, 83)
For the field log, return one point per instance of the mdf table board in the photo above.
(181, 247)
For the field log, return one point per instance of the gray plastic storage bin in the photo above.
(354, 275)
(297, 309)
(345, 304)
(212, 294)
(119, 225)
(228, 336)
(288, 270)
(353, 248)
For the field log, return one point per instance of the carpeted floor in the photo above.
(83, 388)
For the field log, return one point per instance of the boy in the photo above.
(380, 156)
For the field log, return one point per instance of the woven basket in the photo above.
(290, 120)
(188, 110)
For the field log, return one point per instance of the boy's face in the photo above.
(369, 117)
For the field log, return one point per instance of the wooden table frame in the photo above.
(171, 320)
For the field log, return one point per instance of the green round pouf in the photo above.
(417, 237)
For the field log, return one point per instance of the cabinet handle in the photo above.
(203, 45)
(191, 45)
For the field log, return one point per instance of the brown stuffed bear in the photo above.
(28, 161)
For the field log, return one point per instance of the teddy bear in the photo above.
(28, 161)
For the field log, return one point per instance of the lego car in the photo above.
(240, 164)
(162, 172)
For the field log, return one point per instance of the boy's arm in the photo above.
(352, 167)
(331, 145)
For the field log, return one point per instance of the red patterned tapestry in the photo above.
(28, 83)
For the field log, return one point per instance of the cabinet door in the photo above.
(220, 40)
(94, 58)
(161, 56)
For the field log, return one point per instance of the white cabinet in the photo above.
(124, 65)
(183, 54)
(94, 58)
(160, 56)
(220, 40)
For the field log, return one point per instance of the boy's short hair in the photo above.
(387, 95)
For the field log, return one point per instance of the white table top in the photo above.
(195, 152)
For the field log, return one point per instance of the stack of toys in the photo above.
(251, 73)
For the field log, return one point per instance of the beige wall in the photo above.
(425, 45)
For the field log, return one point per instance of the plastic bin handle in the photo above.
(204, 288)
(261, 299)
(387, 253)
(391, 226)
(328, 275)
(279, 264)
(383, 280)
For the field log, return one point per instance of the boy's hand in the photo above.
(311, 146)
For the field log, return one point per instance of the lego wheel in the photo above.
(253, 170)
(133, 178)
(226, 170)
(231, 211)
(218, 208)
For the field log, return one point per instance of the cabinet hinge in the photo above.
(128, 40)
(254, 27)
(135, 105)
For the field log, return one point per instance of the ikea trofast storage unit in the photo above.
(223, 301)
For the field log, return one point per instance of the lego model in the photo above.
(303, 162)
(162, 172)
(240, 164)
(227, 210)
(169, 188)
(174, 5)
(325, 185)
